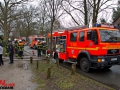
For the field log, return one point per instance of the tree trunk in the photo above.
(51, 29)
(93, 18)
(6, 34)
(86, 13)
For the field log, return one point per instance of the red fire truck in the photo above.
(33, 39)
(97, 47)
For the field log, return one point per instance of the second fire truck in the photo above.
(33, 40)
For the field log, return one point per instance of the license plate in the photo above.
(113, 59)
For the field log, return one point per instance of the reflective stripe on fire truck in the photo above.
(84, 48)
(111, 47)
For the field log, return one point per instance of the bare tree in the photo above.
(53, 8)
(88, 9)
(42, 17)
(8, 14)
(26, 24)
(77, 10)
(29, 19)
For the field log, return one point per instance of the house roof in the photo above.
(116, 19)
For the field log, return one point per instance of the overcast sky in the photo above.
(65, 20)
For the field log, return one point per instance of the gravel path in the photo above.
(18, 73)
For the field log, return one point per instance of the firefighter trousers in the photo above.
(44, 51)
(1, 60)
(16, 52)
(11, 58)
(39, 52)
(20, 54)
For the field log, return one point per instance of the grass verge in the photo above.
(61, 79)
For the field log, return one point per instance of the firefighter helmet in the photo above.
(20, 41)
(9, 39)
(38, 40)
(15, 39)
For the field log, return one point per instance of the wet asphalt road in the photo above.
(110, 77)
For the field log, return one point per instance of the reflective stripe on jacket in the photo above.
(44, 47)
(20, 48)
(39, 46)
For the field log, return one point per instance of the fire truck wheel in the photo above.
(84, 65)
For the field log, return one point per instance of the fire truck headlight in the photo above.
(101, 60)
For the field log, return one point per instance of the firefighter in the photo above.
(16, 47)
(20, 49)
(39, 48)
(1, 53)
(44, 47)
(11, 52)
(6, 47)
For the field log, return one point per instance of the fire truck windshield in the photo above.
(41, 39)
(109, 35)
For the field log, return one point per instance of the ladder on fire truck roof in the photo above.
(72, 28)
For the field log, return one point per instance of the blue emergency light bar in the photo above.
(97, 25)
(115, 27)
(104, 25)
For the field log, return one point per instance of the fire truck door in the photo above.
(92, 42)
(72, 44)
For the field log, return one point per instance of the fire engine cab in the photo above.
(32, 40)
(97, 47)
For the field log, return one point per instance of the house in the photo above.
(117, 22)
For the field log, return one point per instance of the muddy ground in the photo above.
(19, 73)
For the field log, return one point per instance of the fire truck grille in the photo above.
(113, 51)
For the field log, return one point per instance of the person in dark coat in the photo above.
(11, 52)
(1, 52)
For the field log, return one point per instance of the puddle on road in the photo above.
(19, 65)
(23, 65)
(28, 89)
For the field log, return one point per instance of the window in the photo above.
(110, 35)
(73, 36)
(30, 40)
(62, 43)
(62, 37)
(57, 40)
(37, 39)
(94, 37)
(53, 39)
(82, 34)
(89, 33)
(118, 26)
